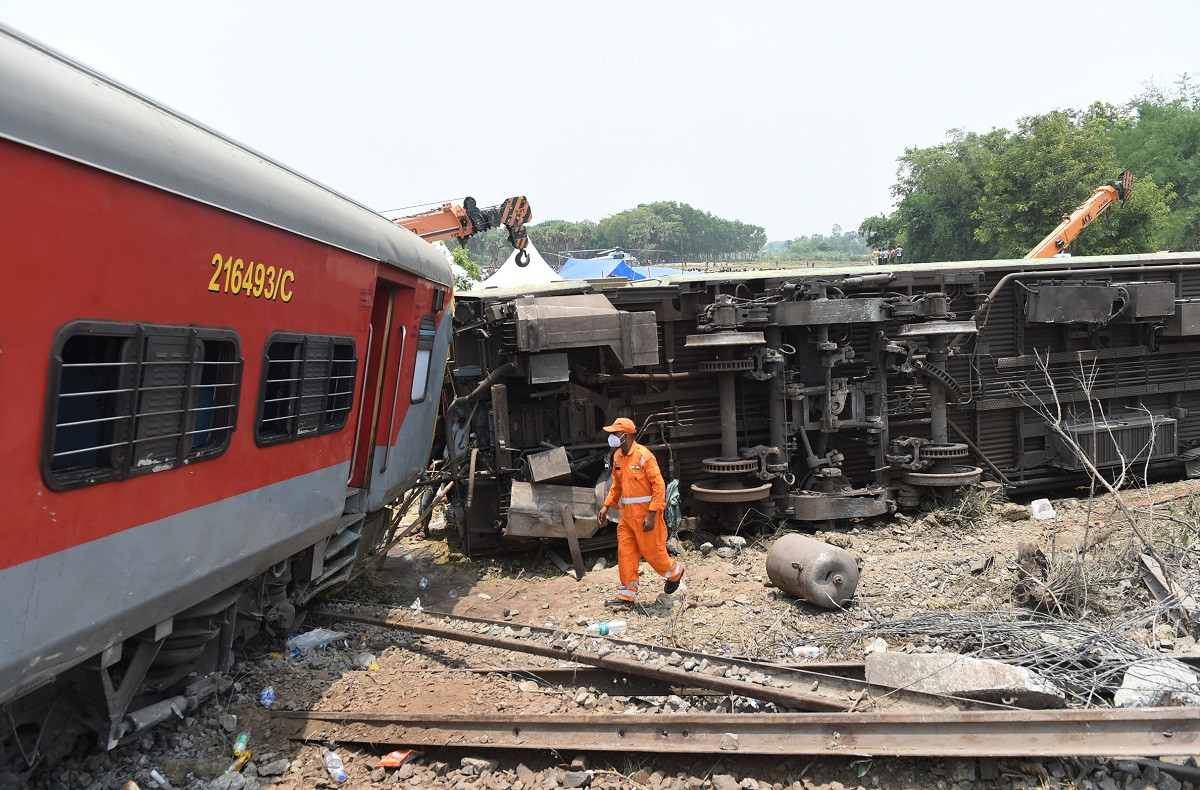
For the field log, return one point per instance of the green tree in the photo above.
(1163, 142)
(1047, 168)
(491, 247)
(938, 191)
(558, 237)
(471, 275)
(882, 231)
(664, 231)
(837, 246)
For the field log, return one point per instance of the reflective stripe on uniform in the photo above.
(634, 500)
(674, 573)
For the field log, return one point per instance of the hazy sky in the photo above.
(788, 115)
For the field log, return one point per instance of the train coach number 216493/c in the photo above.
(233, 276)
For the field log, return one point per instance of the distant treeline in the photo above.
(995, 195)
(837, 246)
(663, 232)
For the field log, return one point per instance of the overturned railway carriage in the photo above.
(814, 395)
(218, 374)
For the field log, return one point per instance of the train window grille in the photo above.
(424, 357)
(308, 387)
(129, 399)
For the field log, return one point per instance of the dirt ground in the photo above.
(959, 557)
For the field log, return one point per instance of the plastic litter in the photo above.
(613, 627)
(239, 746)
(806, 651)
(162, 780)
(239, 763)
(319, 638)
(416, 606)
(394, 759)
(1042, 509)
(131, 785)
(423, 583)
(267, 697)
(335, 766)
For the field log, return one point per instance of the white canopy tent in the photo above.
(510, 275)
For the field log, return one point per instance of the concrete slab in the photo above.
(1158, 683)
(962, 676)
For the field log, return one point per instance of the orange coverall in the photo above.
(638, 489)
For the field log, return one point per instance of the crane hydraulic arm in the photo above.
(463, 222)
(1073, 224)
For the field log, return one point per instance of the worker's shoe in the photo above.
(617, 602)
(673, 585)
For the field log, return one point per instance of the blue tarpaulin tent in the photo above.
(590, 268)
(595, 268)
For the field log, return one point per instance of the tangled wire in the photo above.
(1088, 663)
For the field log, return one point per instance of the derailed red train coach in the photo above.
(217, 375)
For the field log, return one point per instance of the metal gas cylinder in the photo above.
(819, 573)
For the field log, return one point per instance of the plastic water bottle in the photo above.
(806, 651)
(239, 746)
(162, 780)
(421, 585)
(319, 638)
(614, 627)
(335, 767)
(267, 697)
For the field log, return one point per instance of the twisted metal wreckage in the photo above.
(820, 395)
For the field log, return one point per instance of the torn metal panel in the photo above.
(548, 466)
(585, 321)
(536, 510)
(1184, 610)
(548, 368)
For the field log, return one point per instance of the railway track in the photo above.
(788, 686)
(845, 715)
(1069, 733)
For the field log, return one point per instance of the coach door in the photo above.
(382, 397)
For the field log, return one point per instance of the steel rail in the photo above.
(837, 693)
(1111, 732)
(679, 677)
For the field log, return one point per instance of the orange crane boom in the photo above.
(463, 222)
(1073, 224)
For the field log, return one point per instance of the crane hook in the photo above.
(522, 257)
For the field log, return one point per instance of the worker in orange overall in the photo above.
(639, 491)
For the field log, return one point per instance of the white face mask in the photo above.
(614, 440)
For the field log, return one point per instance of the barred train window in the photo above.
(308, 387)
(129, 399)
(424, 356)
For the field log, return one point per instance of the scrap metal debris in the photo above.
(1086, 662)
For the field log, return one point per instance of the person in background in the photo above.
(899, 253)
(875, 257)
(638, 489)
